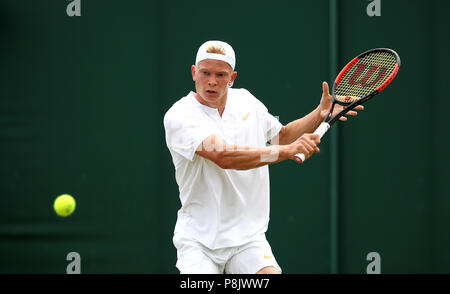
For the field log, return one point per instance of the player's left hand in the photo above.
(325, 105)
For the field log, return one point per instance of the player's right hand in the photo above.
(306, 144)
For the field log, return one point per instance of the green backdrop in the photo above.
(82, 100)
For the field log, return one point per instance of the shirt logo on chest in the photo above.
(245, 117)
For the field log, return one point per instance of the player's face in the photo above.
(212, 78)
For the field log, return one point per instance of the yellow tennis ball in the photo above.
(64, 205)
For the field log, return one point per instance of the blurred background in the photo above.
(82, 99)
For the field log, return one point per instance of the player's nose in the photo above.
(212, 81)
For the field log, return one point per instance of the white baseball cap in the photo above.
(229, 56)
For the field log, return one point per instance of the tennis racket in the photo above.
(361, 79)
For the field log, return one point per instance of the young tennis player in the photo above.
(218, 137)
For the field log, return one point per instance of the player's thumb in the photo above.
(325, 89)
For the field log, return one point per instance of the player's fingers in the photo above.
(343, 118)
(359, 107)
(303, 149)
(351, 112)
(312, 139)
(310, 149)
(311, 144)
(307, 144)
(315, 138)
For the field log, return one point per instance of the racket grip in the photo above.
(321, 130)
(299, 157)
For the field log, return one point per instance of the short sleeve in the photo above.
(185, 131)
(273, 126)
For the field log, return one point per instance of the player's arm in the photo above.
(232, 156)
(311, 121)
(293, 130)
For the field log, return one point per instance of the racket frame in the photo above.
(328, 121)
(351, 105)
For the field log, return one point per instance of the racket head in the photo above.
(365, 76)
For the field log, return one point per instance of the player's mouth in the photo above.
(211, 92)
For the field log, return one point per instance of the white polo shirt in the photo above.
(220, 207)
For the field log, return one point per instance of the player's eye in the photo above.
(206, 73)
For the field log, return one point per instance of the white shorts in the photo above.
(195, 258)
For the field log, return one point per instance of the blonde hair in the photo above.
(215, 49)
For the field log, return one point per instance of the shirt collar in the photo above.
(208, 109)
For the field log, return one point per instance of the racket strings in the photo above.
(365, 76)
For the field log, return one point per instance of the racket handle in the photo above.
(321, 130)
(299, 157)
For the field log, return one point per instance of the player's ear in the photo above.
(233, 77)
(193, 72)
